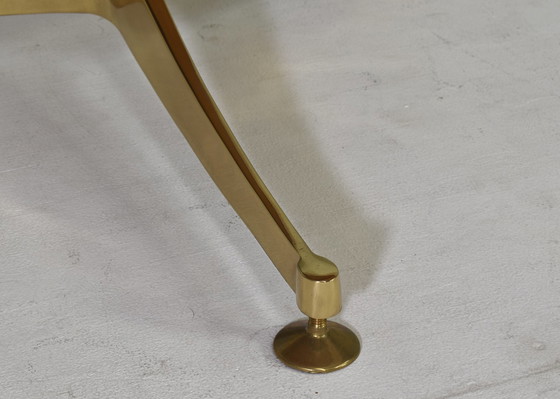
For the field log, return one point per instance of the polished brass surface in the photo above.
(150, 33)
(316, 346)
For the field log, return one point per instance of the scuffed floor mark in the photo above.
(74, 256)
(475, 387)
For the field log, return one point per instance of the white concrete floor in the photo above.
(415, 143)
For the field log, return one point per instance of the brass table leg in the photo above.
(148, 29)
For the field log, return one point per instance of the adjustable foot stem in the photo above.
(316, 346)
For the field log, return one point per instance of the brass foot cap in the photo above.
(316, 346)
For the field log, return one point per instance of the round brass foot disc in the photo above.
(301, 347)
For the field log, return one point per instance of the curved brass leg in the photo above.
(152, 37)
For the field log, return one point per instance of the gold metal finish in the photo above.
(150, 33)
(316, 346)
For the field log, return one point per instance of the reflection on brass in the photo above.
(150, 33)
(316, 346)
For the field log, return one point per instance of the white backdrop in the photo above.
(415, 143)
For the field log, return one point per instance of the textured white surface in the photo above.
(415, 143)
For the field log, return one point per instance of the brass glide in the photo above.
(315, 346)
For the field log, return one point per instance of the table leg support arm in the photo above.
(149, 31)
